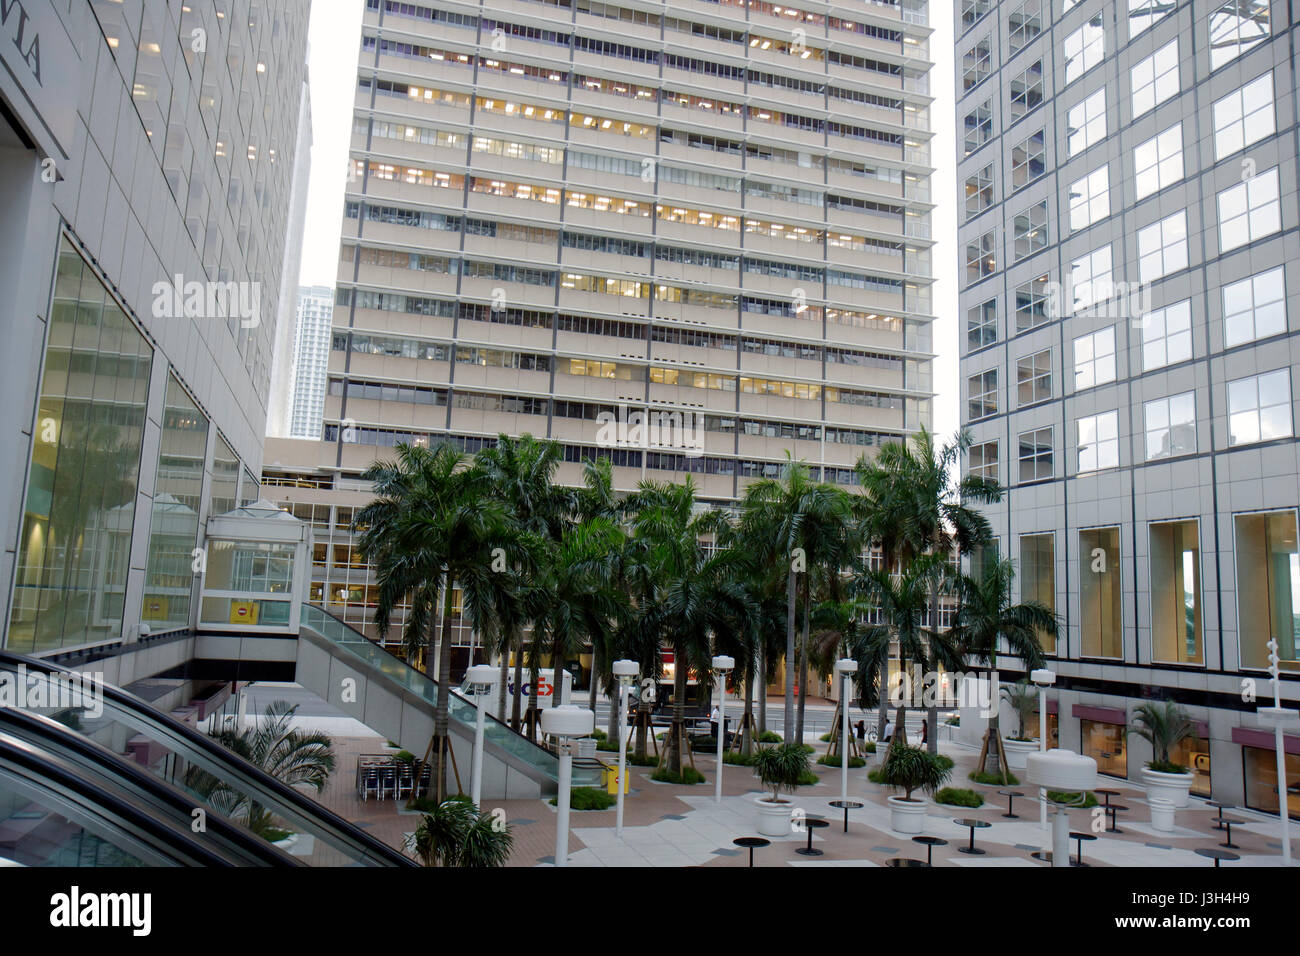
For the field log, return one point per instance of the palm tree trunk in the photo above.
(803, 661)
(678, 730)
(762, 690)
(747, 741)
(932, 712)
(789, 657)
(642, 714)
(442, 741)
(517, 695)
(504, 677)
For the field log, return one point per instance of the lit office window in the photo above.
(1098, 441)
(1100, 624)
(1244, 116)
(981, 258)
(1236, 27)
(1159, 161)
(1034, 378)
(1166, 335)
(1170, 425)
(1162, 247)
(1084, 49)
(1086, 123)
(1094, 359)
(1259, 407)
(1035, 455)
(1268, 588)
(1175, 592)
(1155, 79)
(1249, 210)
(1030, 231)
(1254, 308)
(1089, 198)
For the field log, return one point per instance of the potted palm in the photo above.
(779, 767)
(1023, 699)
(910, 769)
(1164, 727)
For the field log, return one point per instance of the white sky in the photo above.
(334, 47)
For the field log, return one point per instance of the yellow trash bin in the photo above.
(611, 780)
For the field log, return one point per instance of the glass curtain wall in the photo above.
(1099, 578)
(1268, 588)
(1176, 593)
(1038, 578)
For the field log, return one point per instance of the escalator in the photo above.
(109, 778)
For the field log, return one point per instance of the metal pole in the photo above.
(722, 734)
(622, 753)
(844, 745)
(1282, 814)
(1042, 747)
(562, 805)
(476, 777)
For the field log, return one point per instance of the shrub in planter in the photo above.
(910, 769)
(589, 798)
(944, 761)
(833, 760)
(1165, 726)
(768, 737)
(809, 749)
(779, 767)
(825, 738)
(1072, 799)
(809, 779)
(649, 760)
(688, 775)
(993, 779)
(736, 758)
(404, 756)
(869, 747)
(607, 746)
(959, 797)
(598, 734)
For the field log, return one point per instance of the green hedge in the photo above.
(959, 797)
(589, 798)
(833, 760)
(736, 758)
(1065, 796)
(993, 779)
(688, 775)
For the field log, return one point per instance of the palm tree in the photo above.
(986, 622)
(798, 523)
(432, 525)
(1164, 727)
(294, 757)
(455, 833)
(920, 508)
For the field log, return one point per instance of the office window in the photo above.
(1089, 199)
(982, 390)
(1028, 159)
(982, 460)
(1159, 161)
(1166, 335)
(1143, 13)
(1036, 454)
(1086, 123)
(1237, 26)
(1094, 359)
(1098, 441)
(978, 126)
(1034, 378)
(1254, 308)
(972, 10)
(1100, 619)
(1030, 228)
(1037, 573)
(1162, 247)
(982, 325)
(1170, 425)
(1175, 592)
(1090, 277)
(981, 258)
(1155, 79)
(1249, 210)
(1025, 23)
(1259, 407)
(1244, 116)
(1027, 90)
(979, 191)
(1084, 49)
(975, 64)
(1031, 304)
(1268, 588)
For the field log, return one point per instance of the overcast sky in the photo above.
(334, 33)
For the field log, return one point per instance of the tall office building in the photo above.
(311, 353)
(146, 151)
(566, 215)
(1131, 304)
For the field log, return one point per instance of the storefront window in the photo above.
(1104, 743)
(1261, 780)
(1099, 578)
(1176, 593)
(174, 526)
(75, 545)
(1038, 578)
(1268, 588)
(1195, 756)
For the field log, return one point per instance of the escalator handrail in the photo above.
(248, 775)
(47, 733)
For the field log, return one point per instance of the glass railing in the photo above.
(460, 709)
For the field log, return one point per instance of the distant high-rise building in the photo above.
(1130, 300)
(311, 352)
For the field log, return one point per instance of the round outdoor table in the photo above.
(1080, 837)
(751, 843)
(1111, 809)
(1227, 825)
(812, 823)
(846, 806)
(1107, 794)
(1011, 801)
(930, 842)
(1215, 854)
(905, 861)
(973, 824)
(1218, 821)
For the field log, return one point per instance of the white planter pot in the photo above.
(1174, 787)
(288, 843)
(1162, 814)
(1018, 752)
(906, 816)
(774, 818)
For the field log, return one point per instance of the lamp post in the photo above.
(1061, 770)
(626, 673)
(846, 667)
(1043, 678)
(722, 666)
(479, 681)
(565, 722)
(1279, 717)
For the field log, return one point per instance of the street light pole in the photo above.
(847, 668)
(722, 666)
(479, 679)
(1279, 717)
(625, 672)
(566, 723)
(1043, 678)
